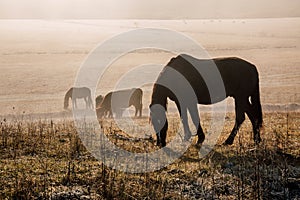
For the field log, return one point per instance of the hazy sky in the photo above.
(148, 9)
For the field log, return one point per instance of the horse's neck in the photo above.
(69, 94)
(159, 96)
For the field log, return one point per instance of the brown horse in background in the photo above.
(98, 100)
(117, 101)
(78, 93)
(186, 77)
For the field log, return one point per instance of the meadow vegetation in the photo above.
(45, 159)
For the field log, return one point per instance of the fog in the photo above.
(141, 9)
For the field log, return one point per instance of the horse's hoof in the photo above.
(201, 139)
(257, 140)
(199, 142)
(187, 137)
(198, 145)
(161, 144)
(158, 143)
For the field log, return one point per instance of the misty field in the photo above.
(45, 159)
(42, 155)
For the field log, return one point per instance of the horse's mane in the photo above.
(159, 95)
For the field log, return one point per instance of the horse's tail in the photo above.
(90, 101)
(140, 101)
(140, 95)
(255, 100)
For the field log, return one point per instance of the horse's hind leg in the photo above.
(141, 109)
(86, 103)
(239, 119)
(252, 116)
(138, 109)
(91, 105)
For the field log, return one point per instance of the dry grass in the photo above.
(45, 159)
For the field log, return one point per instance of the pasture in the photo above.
(42, 159)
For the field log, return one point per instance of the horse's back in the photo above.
(238, 75)
(81, 89)
(234, 65)
(124, 98)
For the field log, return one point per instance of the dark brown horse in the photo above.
(189, 81)
(78, 93)
(117, 101)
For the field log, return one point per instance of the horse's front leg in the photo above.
(74, 104)
(196, 121)
(140, 110)
(186, 128)
(136, 111)
(184, 119)
(86, 103)
(162, 135)
(160, 125)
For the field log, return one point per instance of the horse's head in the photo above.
(66, 104)
(160, 123)
(99, 100)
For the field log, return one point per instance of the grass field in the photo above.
(45, 159)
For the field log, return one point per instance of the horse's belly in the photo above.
(208, 101)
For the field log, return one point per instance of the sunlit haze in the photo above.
(154, 9)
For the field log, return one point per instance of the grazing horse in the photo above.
(238, 78)
(77, 93)
(117, 101)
